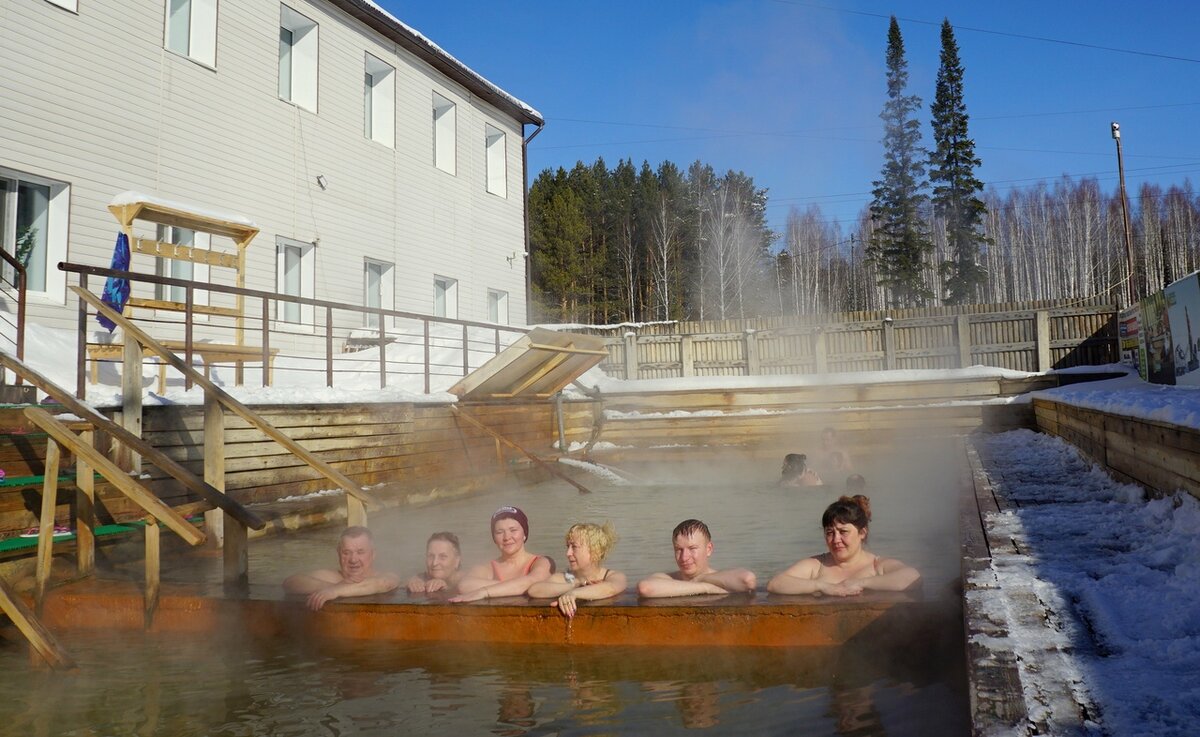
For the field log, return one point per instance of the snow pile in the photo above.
(596, 469)
(1103, 599)
(1129, 396)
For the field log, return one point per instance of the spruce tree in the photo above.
(900, 240)
(952, 174)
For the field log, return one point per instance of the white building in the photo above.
(380, 170)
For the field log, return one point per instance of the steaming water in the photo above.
(192, 686)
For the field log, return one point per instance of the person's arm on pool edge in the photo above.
(660, 585)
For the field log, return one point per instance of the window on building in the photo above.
(497, 306)
(33, 227)
(192, 29)
(297, 59)
(180, 268)
(377, 289)
(445, 297)
(497, 167)
(444, 136)
(379, 101)
(295, 269)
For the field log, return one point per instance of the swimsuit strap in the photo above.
(529, 566)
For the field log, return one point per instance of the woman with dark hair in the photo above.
(796, 471)
(443, 559)
(848, 569)
(515, 570)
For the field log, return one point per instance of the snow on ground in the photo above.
(1132, 397)
(1122, 574)
(604, 472)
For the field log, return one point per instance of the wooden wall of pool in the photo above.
(1159, 456)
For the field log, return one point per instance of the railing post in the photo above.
(889, 344)
(426, 323)
(631, 357)
(188, 332)
(266, 342)
(131, 402)
(383, 352)
(85, 509)
(1042, 333)
(687, 355)
(753, 367)
(962, 325)
(81, 345)
(820, 351)
(153, 567)
(328, 346)
(45, 554)
(497, 331)
(466, 360)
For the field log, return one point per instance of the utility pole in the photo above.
(1116, 134)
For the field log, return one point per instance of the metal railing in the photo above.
(408, 343)
(19, 283)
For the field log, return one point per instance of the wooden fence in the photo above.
(1034, 336)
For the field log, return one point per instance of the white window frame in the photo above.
(445, 134)
(190, 30)
(496, 160)
(445, 292)
(58, 214)
(71, 5)
(298, 66)
(387, 292)
(497, 298)
(308, 262)
(379, 101)
(172, 266)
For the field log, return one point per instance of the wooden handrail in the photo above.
(134, 332)
(133, 442)
(126, 484)
(454, 410)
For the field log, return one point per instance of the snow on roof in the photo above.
(132, 197)
(437, 51)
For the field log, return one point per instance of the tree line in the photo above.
(638, 244)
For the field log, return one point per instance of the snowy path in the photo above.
(1101, 600)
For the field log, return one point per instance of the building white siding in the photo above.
(92, 98)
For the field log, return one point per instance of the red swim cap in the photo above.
(511, 513)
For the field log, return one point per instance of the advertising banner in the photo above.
(1183, 309)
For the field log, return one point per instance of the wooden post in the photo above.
(752, 366)
(820, 352)
(962, 326)
(631, 357)
(153, 567)
(85, 510)
(889, 344)
(1042, 333)
(41, 640)
(687, 356)
(131, 402)
(45, 554)
(558, 416)
(356, 512)
(214, 465)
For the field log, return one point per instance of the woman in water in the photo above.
(796, 472)
(588, 579)
(848, 569)
(443, 558)
(515, 570)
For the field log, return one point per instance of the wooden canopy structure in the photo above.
(536, 366)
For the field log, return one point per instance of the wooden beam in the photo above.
(39, 637)
(567, 349)
(126, 484)
(85, 510)
(153, 567)
(501, 439)
(123, 436)
(45, 555)
(233, 405)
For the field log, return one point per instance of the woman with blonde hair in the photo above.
(848, 568)
(587, 580)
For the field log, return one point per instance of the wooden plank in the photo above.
(39, 637)
(153, 567)
(187, 253)
(85, 510)
(45, 556)
(118, 478)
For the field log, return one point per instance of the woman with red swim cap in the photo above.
(515, 570)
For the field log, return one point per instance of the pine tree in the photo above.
(952, 173)
(900, 239)
(557, 228)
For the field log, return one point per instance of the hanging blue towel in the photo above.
(116, 290)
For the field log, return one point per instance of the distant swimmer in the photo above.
(443, 561)
(587, 580)
(693, 547)
(796, 472)
(833, 457)
(855, 484)
(515, 570)
(848, 568)
(355, 576)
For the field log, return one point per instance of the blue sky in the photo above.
(789, 91)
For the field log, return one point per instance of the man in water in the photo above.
(355, 576)
(693, 546)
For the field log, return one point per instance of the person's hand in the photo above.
(434, 584)
(475, 595)
(317, 599)
(845, 588)
(566, 605)
(416, 585)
